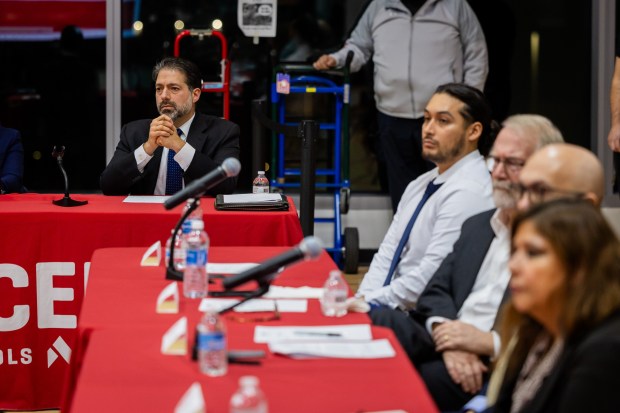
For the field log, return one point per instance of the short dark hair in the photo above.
(475, 109)
(188, 68)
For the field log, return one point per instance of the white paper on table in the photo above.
(373, 349)
(168, 299)
(193, 401)
(174, 341)
(255, 305)
(146, 199)
(229, 267)
(276, 291)
(349, 332)
(252, 198)
(152, 256)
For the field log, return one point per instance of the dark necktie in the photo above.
(431, 188)
(174, 174)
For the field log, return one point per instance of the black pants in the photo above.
(401, 145)
(419, 346)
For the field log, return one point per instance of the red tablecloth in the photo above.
(44, 259)
(123, 370)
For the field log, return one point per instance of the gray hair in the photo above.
(535, 126)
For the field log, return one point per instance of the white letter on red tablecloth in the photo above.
(21, 313)
(47, 294)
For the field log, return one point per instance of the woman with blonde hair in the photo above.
(564, 312)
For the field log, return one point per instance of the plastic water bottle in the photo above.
(196, 245)
(335, 291)
(212, 354)
(260, 184)
(179, 250)
(248, 398)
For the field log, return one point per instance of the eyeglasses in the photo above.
(511, 165)
(540, 192)
(275, 316)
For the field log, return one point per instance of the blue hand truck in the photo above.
(304, 79)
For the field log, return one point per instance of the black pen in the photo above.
(317, 333)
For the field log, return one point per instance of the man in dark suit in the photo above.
(159, 156)
(449, 335)
(11, 161)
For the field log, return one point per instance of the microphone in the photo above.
(230, 167)
(308, 248)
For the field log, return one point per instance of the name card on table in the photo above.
(168, 299)
(193, 401)
(174, 341)
(152, 256)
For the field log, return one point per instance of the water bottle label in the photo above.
(187, 226)
(211, 341)
(196, 257)
(260, 189)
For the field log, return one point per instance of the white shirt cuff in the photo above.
(432, 320)
(497, 344)
(142, 158)
(185, 155)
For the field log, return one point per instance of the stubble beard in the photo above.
(444, 155)
(503, 195)
(178, 111)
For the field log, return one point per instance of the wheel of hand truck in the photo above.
(351, 250)
(345, 196)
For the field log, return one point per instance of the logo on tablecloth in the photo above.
(61, 348)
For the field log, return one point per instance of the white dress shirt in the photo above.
(466, 191)
(183, 157)
(482, 304)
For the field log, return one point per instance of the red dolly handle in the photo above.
(212, 87)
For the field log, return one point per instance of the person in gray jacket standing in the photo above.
(416, 45)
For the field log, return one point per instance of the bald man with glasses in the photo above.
(561, 171)
(449, 335)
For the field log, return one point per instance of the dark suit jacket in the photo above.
(585, 379)
(11, 161)
(454, 279)
(213, 138)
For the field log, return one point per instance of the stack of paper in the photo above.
(340, 341)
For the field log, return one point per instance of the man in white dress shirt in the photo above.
(460, 303)
(457, 131)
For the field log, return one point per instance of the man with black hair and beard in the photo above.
(160, 156)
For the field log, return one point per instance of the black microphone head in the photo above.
(231, 166)
(311, 247)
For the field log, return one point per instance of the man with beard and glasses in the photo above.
(457, 129)
(449, 336)
(160, 156)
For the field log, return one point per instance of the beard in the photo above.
(503, 195)
(444, 154)
(178, 111)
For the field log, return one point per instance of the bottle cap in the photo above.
(335, 273)
(197, 224)
(248, 381)
(261, 172)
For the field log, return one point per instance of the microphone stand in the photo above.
(171, 272)
(263, 287)
(66, 201)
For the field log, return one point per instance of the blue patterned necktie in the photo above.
(174, 174)
(431, 188)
